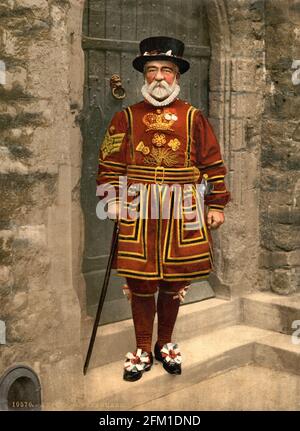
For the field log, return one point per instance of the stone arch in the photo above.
(219, 100)
(237, 80)
(219, 83)
(20, 389)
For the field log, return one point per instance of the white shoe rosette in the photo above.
(171, 353)
(136, 361)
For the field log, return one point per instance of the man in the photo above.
(157, 144)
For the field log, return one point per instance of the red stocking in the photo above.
(143, 312)
(167, 310)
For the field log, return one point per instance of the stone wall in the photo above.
(39, 172)
(255, 108)
(280, 153)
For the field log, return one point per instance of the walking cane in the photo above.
(102, 296)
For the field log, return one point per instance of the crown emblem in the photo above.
(159, 121)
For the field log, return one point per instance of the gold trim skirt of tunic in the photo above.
(163, 234)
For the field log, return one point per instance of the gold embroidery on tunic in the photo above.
(174, 144)
(143, 148)
(159, 139)
(161, 155)
(158, 121)
(111, 143)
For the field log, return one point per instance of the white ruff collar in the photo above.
(164, 102)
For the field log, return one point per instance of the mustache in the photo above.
(159, 84)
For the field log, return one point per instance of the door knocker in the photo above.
(117, 90)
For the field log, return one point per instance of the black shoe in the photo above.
(171, 366)
(135, 374)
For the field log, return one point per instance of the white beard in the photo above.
(160, 94)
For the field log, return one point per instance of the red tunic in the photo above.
(158, 147)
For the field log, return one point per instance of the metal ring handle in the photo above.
(117, 89)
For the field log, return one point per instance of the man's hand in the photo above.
(113, 210)
(215, 219)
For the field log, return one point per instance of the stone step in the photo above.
(279, 352)
(270, 311)
(247, 388)
(208, 354)
(115, 339)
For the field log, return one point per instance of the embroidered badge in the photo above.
(142, 148)
(111, 144)
(159, 140)
(174, 144)
(157, 122)
(161, 155)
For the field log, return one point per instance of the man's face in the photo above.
(160, 78)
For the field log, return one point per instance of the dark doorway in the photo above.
(112, 30)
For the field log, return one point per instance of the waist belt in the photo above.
(160, 174)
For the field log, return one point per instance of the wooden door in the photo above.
(112, 30)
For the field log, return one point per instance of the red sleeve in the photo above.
(210, 162)
(112, 156)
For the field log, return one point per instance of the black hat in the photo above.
(161, 48)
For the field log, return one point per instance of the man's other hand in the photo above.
(215, 219)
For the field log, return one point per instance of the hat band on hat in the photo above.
(169, 53)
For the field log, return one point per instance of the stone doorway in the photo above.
(111, 36)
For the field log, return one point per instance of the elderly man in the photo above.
(155, 144)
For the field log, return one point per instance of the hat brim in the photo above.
(139, 62)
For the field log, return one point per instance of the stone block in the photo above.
(271, 311)
(279, 184)
(217, 74)
(6, 278)
(292, 258)
(246, 105)
(6, 242)
(15, 76)
(280, 259)
(237, 134)
(283, 106)
(32, 4)
(253, 128)
(280, 152)
(284, 214)
(264, 259)
(216, 104)
(279, 236)
(286, 237)
(296, 132)
(10, 44)
(246, 75)
(244, 166)
(278, 353)
(285, 282)
(218, 127)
